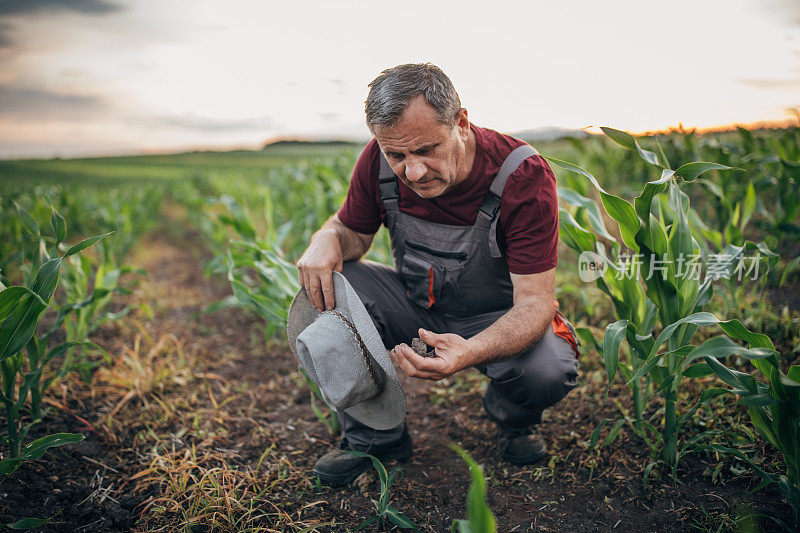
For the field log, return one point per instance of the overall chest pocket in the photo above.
(431, 276)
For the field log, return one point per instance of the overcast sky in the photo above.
(119, 76)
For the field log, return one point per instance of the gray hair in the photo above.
(392, 91)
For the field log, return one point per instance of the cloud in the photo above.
(330, 117)
(784, 12)
(790, 9)
(191, 122)
(5, 40)
(779, 84)
(14, 8)
(31, 103)
(91, 7)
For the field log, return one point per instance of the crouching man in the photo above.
(473, 220)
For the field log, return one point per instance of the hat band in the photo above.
(364, 351)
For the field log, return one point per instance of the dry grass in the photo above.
(143, 373)
(200, 486)
(196, 431)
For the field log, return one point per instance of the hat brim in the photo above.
(384, 411)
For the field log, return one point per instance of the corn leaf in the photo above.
(725, 374)
(592, 211)
(723, 346)
(30, 523)
(28, 222)
(575, 236)
(644, 201)
(399, 519)
(85, 243)
(20, 320)
(481, 519)
(626, 140)
(690, 171)
(617, 208)
(36, 449)
(59, 226)
(758, 400)
(611, 340)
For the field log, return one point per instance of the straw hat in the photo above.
(343, 354)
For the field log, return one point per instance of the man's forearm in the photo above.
(518, 329)
(353, 245)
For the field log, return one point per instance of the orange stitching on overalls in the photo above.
(431, 299)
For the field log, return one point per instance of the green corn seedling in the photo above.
(88, 291)
(384, 511)
(479, 516)
(262, 280)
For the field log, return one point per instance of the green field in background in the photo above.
(243, 163)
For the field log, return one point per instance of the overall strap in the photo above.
(387, 183)
(488, 213)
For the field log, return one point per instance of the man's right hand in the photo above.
(315, 268)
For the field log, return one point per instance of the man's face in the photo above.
(428, 157)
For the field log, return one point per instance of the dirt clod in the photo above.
(419, 346)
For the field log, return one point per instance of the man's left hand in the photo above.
(453, 353)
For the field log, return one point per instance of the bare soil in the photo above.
(212, 401)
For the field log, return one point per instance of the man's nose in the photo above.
(415, 170)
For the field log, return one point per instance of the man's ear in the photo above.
(462, 124)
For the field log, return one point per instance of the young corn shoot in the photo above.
(384, 511)
(479, 516)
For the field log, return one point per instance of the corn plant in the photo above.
(262, 280)
(667, 294)
(783, 213)
(479, 516)
(384, 511)
(268, 223)
(88, 290)
(21, 308)
(30, 247)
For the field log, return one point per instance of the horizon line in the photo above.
(311, 138)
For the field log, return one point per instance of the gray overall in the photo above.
(454, 279)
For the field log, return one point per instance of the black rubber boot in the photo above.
(524, 449)
(338, 467)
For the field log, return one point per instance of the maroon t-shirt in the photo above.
(528, 227)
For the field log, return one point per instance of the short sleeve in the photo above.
(361, 208)
(529, 218)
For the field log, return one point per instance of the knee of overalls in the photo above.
(541, 376)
